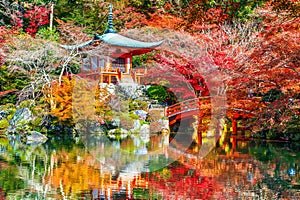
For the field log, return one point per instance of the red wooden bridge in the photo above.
(202, 107)
(187, 109)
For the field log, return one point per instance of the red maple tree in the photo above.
(37, 17)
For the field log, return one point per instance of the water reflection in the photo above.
(61, 169)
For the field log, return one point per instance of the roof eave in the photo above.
(78, 46)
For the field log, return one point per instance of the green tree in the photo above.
(89, 14)
(11, 81)
(161, 94)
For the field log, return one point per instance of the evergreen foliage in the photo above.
(11, 81)
(161, 94)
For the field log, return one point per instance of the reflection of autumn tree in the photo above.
(78, 172)
(178, 181)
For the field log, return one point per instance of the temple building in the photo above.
(117, 67)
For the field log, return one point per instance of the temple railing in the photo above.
(94, 74)
(121, 67)
(109, 70)
(138, 74)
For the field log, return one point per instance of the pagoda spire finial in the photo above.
(110, 28)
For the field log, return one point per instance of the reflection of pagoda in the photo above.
(118, 66)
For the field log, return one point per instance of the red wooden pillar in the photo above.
(233, 143)
(199, 138)
(234, 123)
(234, 126)
(199, 131)
(217, 134)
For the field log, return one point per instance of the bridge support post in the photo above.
(199, 137)
(234, 126)
(198, 129)
(217, 135)
(234, 119)
(233, 143)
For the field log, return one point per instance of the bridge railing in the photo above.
(187, 105)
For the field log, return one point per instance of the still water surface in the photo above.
(148, 169)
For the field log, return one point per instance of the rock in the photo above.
(164, 123)
(145, 129)
(141, 113)
(35, 138)
(21, 115)
(115, 103)
(145, 133)
(136, 124)
(3, 114)
(110, 88)
(155, 127)
(96, 128)
(128, 89)
(115, 123)
(118, 131)
(159, 125)
(122, 133)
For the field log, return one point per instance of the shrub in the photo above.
(138, 105)
(272, 95)
(4, 124)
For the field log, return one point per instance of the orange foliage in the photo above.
(73, 100)
(164, 21)
(74, 175)
(78, 171)
(60, 98)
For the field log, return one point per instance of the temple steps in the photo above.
(127, 78)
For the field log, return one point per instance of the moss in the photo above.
(9, 108)
(30, 104)
(142, 122)
(138, 105)
(4, 124)
(9, 117)
(133, 116)
(126, 122)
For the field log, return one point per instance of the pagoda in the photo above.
(117, 67)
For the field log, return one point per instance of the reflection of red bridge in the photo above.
(202, 107)
(194, 160)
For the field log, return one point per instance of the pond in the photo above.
(148, 168)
